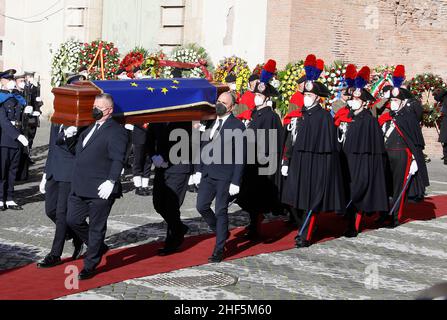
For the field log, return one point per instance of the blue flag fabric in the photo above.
(134, 97)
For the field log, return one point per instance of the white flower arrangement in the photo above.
(65, 60)
(189, 54)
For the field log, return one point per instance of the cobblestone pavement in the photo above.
(382, 264)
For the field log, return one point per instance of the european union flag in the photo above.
(134, 97)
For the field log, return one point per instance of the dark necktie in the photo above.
(219, 127)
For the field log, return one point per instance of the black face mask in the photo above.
(221, 109)
(97, 114)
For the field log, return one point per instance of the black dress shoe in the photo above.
(86, 274)
(173, 243)
(49, 262)
(14, 208)
(78, 248)
(301, 243)
(351, 233)
(139, 191)
(147, 192)
(217, 257)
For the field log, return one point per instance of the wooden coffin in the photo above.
(73, 107)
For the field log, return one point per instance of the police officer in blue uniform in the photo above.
(12, 139)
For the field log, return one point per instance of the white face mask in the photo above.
(259, 101)
(11, 85)
(22, 85)
(395, 105)
(308, 101)
(355, 104)
(233, 87)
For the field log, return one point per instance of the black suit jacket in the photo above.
(100, 160)
(160, 144)
(61, 155)
(224, 171)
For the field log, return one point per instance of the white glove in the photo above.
(191, 180)
(285, 171)
(234, 190)
(70, 132)
(159, 162)
(197, 178)
(28, 110)
(43, 183)
(39, 99)
(414, 168)
(23, 140)
(105, 190)
(36, 114)
(129, 127)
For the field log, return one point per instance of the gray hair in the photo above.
(107, 97)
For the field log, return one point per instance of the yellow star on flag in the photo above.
(134, 84)
(174, 87)
(150, 89)
(175, 82)
(164, 91)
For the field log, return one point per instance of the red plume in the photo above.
(270, 66)
(365, 74)
(311, 61)
(351, 72)
(320, 64)
(399, 72)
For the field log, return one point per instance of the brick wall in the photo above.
(371, 32)
(364, 32)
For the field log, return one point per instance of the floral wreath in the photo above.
(131, 61)
(423, 86)
(65, 61)
(236, 66)
(190, 53)
(333, 78)
(101, 59)
(151, 66)
(289, 84)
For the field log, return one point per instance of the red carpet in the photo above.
(30, 283)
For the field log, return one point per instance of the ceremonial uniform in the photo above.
(364, 153)
(171, 181)
(404, 143)
(261, 180)
(314, 180)
(441, 97)
(12, 141)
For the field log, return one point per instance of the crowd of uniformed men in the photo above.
(353, 161)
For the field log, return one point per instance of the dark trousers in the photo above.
(168, 196)
(209, 190)
(56, 201)
(93, 233)
(444, 151)
(142, 162)
(399, 166)
(10, 160)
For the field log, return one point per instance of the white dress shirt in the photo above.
(90, 134)
(216, 124)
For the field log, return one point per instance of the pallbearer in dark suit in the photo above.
(171, 179)
(314, 180)
(56, 185)
(99, 161)
(142, 163)
(219, 174)
(364, 154)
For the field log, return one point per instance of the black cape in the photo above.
(364, 152)
(260, 193)
(411, 129)
(315, 180)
